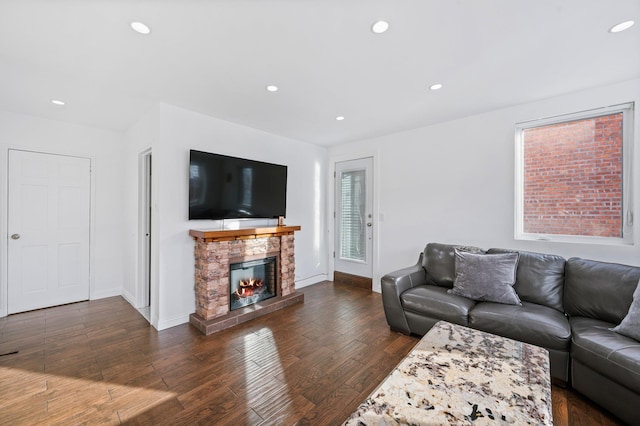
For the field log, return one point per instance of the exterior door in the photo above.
(49, 224)
(354, 212)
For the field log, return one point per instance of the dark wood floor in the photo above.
(100, 362)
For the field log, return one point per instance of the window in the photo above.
(352, 212)
(573, 177)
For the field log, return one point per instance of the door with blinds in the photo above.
(353, 217)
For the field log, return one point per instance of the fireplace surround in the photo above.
(216, 251)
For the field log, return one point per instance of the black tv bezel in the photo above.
(238, 159)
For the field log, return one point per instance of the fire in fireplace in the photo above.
(251, 282)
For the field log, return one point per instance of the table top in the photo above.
(457, 375)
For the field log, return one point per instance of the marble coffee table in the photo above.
(457, 375)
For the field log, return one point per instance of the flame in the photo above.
(248, 288)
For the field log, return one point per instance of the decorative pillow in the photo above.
(630, 325)
(486, 277)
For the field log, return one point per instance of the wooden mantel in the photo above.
(241, 234)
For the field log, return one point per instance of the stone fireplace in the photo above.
(224, 263)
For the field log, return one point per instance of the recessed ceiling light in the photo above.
(57, 102)
(140, 28)
(436, 86)
(621, 26)
(339, 118)
(272, 88)
(380, 27)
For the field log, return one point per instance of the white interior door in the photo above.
(354, 212)
(145, 231)
(49, 224)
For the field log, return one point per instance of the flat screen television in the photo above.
(223, 187)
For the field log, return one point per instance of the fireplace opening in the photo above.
(251, 282)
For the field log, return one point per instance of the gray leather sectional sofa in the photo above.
(566, 306)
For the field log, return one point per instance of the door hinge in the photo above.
(334, 254)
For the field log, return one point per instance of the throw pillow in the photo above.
(630, 325)
(486, 277)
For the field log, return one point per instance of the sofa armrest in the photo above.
(393, 285)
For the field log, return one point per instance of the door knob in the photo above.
(15, 237)
(368, 223)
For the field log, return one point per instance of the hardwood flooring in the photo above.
(100, 362)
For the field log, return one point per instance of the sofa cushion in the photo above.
(610, 354)
(486, 277)
(529, 323)
(630, 325)
(539, 278)
(439, 262)
(435, 302)
(599, 290)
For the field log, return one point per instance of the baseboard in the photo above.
(129, 298)
(101, 294)
(311, 280)
(172, 322)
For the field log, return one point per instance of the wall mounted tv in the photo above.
(222, 187)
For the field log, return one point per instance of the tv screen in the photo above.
(222, 187)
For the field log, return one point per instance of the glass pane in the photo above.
(573, 178)
(352, 214)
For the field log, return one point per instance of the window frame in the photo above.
(627, 110)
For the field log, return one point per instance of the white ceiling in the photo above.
(217, 56)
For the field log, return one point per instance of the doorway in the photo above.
(49, 223)
(145, 214)
(353, 250)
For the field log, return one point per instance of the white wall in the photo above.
(179, 131)
(454, 182)
(104, 147)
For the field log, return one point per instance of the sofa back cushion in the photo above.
(599, 290)
(539, 278)
(439, 262)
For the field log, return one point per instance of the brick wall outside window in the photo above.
(573, 178)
